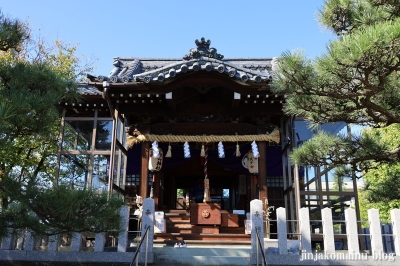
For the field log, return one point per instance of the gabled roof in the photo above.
(202, 58)
(85, 89)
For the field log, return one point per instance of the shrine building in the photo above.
(203, 135)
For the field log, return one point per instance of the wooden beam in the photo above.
(236, 102)
(170, 101)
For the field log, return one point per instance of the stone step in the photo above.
(196, 249)
(185, 227)
(177, 218)
(176, 222)
(202, 236)
(179, 226)
(203, 255)
(202, 243)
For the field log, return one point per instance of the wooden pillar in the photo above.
(156, 189)
(160, 193)
(262, 171)
(144, 170)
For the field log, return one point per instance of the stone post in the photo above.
(304, 219)
(282, 230)
(327, 229)
(53, 243)
(7, 243)
(257, 220)
(147, 222)
(20, 237)
(395, 216)
(123, 236)
(375, 231)
(76, 242)
(351, 230)
(99, 242)
(29, 241)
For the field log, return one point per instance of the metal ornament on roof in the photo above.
(203, 49)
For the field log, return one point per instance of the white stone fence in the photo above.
(374, 235)
(28, 242)
(352, 235)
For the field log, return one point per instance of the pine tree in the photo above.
(31, 86)
(356, 81)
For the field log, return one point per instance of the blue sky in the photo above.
(167, 29)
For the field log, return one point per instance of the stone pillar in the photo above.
(20, 237)
(76, 242)
(304, 219)
(147, 222)
(375, 231)
(352, 232)
(7, 243)
(29, 241)
(282, 230)
(123, 236)
(99, 242)
(257, 220)
(395, 216)
(53, 243)
(327, 229)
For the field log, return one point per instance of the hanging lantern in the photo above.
(252, 163)
(155, 164)
(186, 150)
(169, 153)
(221, 152)
(254, 149)
(238, 154)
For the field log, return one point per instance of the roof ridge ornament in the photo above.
(203, 49)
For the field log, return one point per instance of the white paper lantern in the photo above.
(155, 164)
(252, 163)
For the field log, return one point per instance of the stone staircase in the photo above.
(178, 228)
(204, 254)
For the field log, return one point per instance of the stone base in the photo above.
(150, 257)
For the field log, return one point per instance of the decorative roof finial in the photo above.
(203, 49)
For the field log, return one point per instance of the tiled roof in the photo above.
(202, 58)
(85, 89)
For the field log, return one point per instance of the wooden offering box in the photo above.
(205, 213)
(229, 219)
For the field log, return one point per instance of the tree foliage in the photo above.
(355, 81)
(381, 190)
(34, 78)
